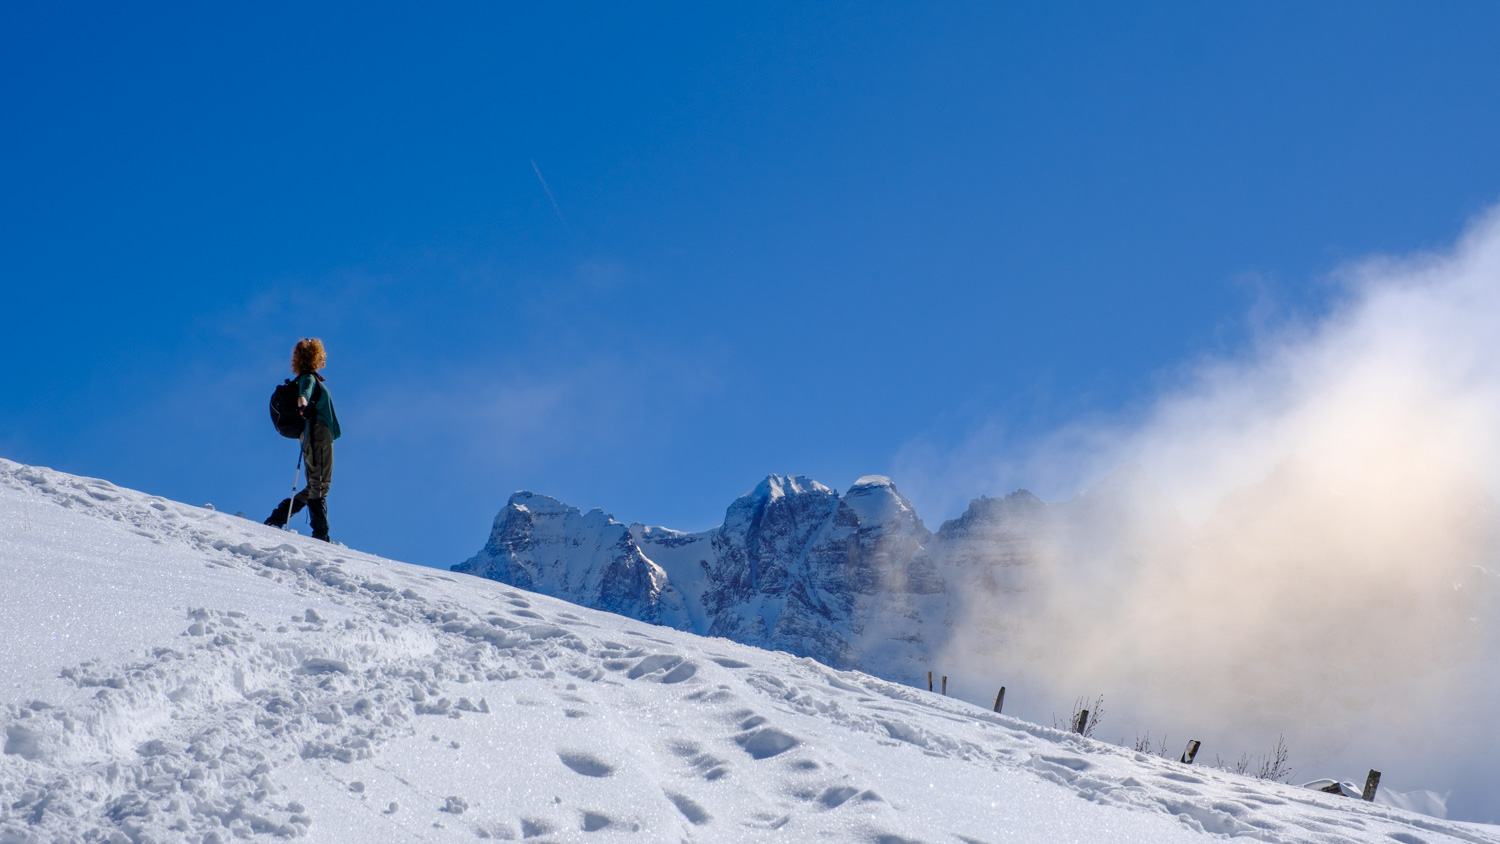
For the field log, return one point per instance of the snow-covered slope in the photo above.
(170, 673)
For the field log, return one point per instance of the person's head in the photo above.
(308, 356)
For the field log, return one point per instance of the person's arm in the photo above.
(305, 386)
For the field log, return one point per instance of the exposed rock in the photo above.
(541, 544)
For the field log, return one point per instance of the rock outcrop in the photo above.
(541, 544)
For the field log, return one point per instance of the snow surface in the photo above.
(171, 673)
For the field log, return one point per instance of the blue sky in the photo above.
(797, 238)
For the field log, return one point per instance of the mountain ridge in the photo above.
(854, 580)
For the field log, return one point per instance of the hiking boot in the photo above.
(283, 511)
(317, 510)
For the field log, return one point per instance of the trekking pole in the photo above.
(296, 473)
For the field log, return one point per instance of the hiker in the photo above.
(316, 406)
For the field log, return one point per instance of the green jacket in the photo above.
(306, 386)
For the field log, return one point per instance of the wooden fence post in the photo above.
(945, 685)
(1192, 750)
(1083, 721)
(929, 681)
(1372, 782)
(999, 700)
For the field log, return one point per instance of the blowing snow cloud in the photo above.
(1333, 573)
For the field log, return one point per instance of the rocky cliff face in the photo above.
(797, 567)
(853, 580)
(541, 544)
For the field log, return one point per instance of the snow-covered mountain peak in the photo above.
(853, 580)
(781, 486)
(876, 501)
(534, 503)
(542, 544)
(986, 515)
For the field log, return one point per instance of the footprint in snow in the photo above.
(595, 821)
(707, 765)
(585, 764)
(689, 808)
(766, 742)
(672, 669)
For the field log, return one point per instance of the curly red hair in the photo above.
(308, 356)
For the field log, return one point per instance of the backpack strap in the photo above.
(317, 394)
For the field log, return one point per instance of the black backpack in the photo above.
(285, 414)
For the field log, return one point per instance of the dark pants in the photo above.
(317, 456)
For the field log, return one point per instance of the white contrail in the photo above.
(555, 206)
